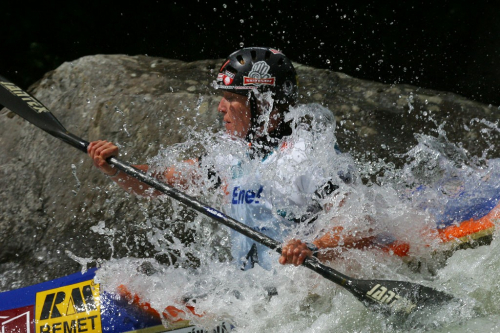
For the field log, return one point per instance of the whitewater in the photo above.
(434, 177)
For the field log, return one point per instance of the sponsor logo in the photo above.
(275, 51)
(215, 212)
(236, 87)
(18, 320)
(398, 303)
(226, 77)
(31, 101)
(259, 75)
(242, 196)
(69, 309)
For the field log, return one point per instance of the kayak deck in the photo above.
(75, 303)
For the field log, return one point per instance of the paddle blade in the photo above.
(397, 297)
(28, 107)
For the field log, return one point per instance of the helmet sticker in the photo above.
(275, 51)
(259, 75)
(226, 77)
(234, 87)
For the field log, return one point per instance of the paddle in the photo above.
(388, 297)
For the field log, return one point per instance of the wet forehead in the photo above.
(229, 95)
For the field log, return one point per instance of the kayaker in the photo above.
(258, 85)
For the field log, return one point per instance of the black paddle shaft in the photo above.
(389, 297)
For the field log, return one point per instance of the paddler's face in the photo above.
(237, 115)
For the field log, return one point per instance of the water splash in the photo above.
(437, 180)
(84, 262)
(78, 185)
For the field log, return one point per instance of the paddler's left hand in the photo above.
(294, 252)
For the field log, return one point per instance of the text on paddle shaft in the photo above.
(15, 90)
(222, 328)
(215, 212)
(382, 295)
(69, 309)
(242, 196)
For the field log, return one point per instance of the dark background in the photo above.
(444, 45)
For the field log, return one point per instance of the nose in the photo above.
(222, 108)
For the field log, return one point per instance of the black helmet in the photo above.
(260, 68)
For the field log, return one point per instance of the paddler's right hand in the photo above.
(294, 252)
(101, 150)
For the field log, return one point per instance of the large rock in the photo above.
(58, 212)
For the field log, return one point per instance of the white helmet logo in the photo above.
(259, 75)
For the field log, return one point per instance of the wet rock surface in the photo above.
(58, 212)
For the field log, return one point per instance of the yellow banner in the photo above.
(70, 309)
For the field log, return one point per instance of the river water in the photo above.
(437, 183)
